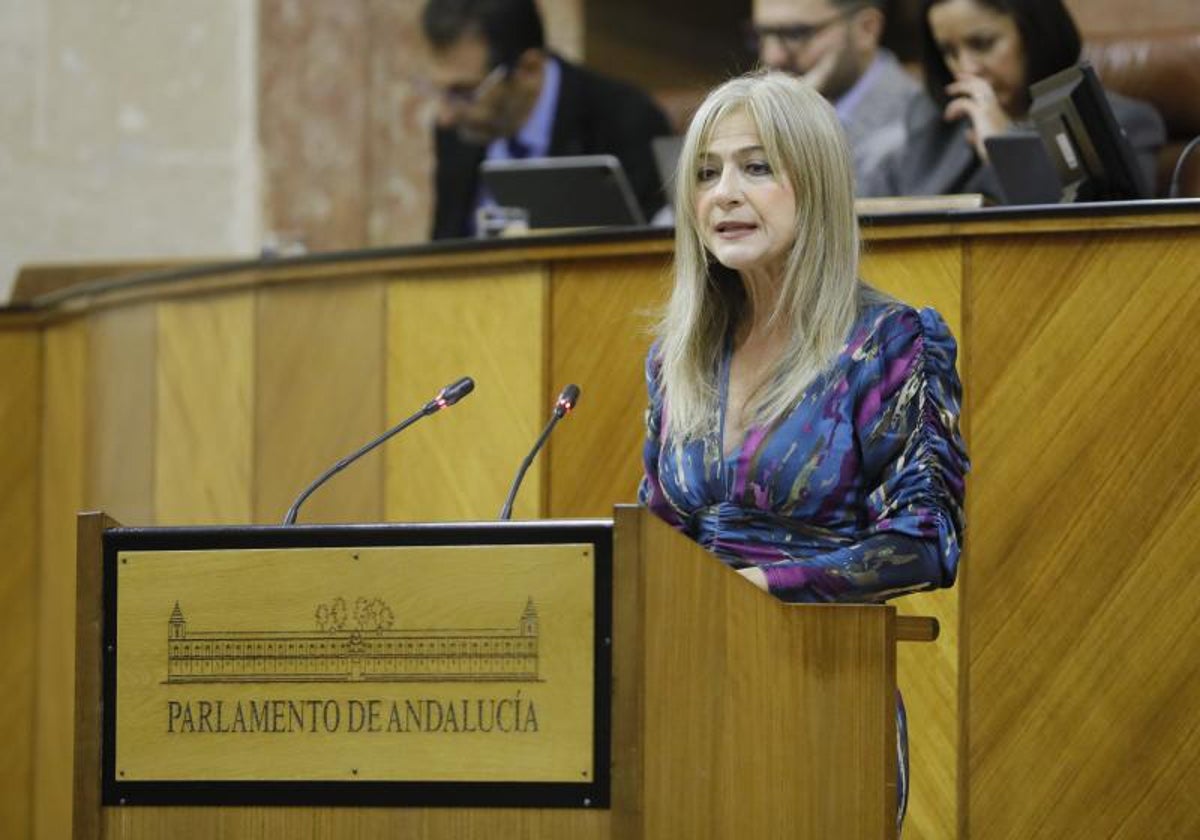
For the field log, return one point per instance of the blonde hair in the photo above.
(803, 142)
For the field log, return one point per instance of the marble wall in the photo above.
(126, 129)
(345, 118)
(176, 128)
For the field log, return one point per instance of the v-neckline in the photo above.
(723, 407)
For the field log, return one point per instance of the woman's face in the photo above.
(746, 212)
(976, 40)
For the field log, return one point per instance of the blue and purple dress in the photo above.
(856, 494)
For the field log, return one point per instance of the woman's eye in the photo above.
(981, 43)
(758, 167)
(706, 173)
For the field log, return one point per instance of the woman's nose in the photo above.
(729, 186)
(968, 64)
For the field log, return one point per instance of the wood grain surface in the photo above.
(459, 463)
(1056, 700)
(319, 362)
(204, 446)
(603, 314)
(1083, 655)
(64, 479)
(761, 720)
(20, 420)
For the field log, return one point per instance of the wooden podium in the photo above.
(663, 695)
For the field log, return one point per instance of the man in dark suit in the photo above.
(503, 95)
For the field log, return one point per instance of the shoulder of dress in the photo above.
(889, 328)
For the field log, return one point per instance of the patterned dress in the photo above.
(855, 495)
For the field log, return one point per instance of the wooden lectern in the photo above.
(663, 696)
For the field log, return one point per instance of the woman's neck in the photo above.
(762, 301)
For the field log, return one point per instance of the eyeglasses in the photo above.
(793, 36)
(469, 94)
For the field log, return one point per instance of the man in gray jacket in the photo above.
(834, 45)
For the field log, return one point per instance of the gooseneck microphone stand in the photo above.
(448, 396)
(566, 402)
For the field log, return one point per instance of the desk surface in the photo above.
(73, 285)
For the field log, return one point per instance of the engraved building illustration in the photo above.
(333, 653)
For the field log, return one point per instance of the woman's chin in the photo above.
(746, 260)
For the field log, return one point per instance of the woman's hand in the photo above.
(756, 576)
(974, 99)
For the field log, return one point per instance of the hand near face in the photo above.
(820, 73)
(974, 99)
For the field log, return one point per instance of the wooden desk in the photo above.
(1060, 698)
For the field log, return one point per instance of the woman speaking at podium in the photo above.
(802, 425)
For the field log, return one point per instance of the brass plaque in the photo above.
(432, 663)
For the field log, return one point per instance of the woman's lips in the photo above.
(734, 230)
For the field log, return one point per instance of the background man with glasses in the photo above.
(834, 45)
(503, 95)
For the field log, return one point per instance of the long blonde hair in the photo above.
(803, 142)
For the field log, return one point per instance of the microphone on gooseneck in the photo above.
(566, 402)
(448, 396)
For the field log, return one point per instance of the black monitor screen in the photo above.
(564, 192)
(1088, 147)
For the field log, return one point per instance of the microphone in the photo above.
(446, 397)
(566, 401)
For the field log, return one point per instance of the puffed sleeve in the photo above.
(650, 491)
(913, 464)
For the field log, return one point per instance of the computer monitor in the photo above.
(1094, 158)
(564, 192)
(1023, 168)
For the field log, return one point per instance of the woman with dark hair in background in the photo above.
(979, 58)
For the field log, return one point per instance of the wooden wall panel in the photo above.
(1079, 632)
(458, 464)
(930, 274)
(63, 483)
(711, 641)
(603, 314)
(20, 433)
(1084, 652)
(922, 274)
(120, 408)
(205, 429)
(248, 823)
(318, 397)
